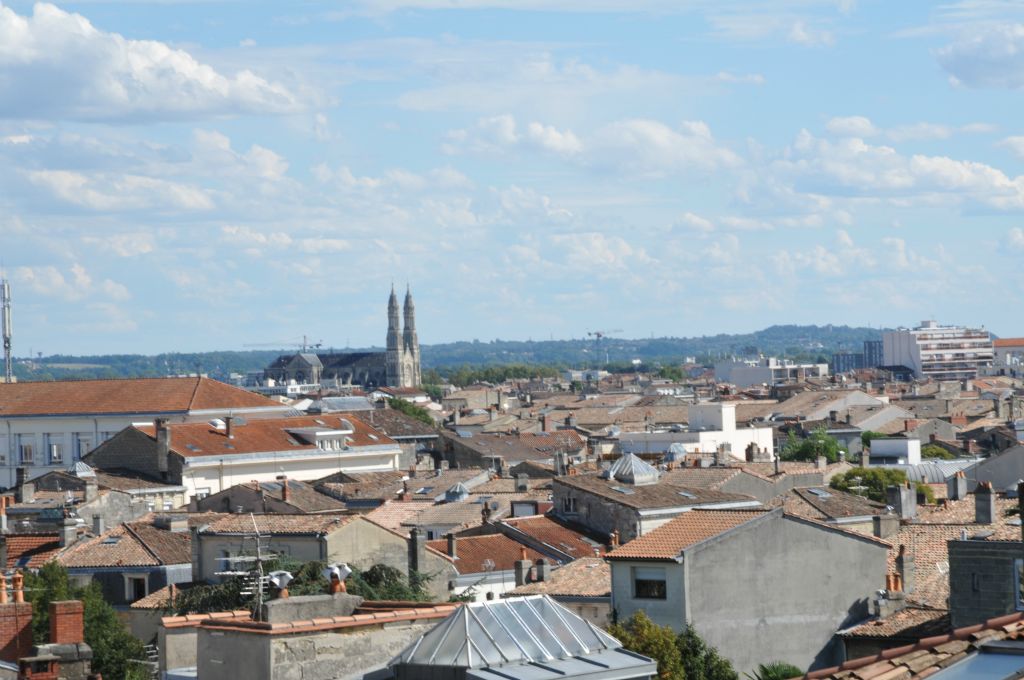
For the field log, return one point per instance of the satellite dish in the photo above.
(280, 579)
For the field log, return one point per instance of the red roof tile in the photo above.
(126, 396)
(265, 434)
(30, 551)
(472, 552)
(558, 536)
(689, 528)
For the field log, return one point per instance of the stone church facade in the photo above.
(398, 366)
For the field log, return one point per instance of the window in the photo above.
(649, 583)
(25, 448)
(202, 493)
(135, 587)
(569, 504)
(55, 449)
(168, 505)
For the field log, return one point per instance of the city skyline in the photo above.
(188, 176)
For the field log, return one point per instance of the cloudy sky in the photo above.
(202, 175)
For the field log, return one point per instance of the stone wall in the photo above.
(982, 580)
(339, 656)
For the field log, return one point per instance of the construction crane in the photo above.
(599, 336)
(305, 344)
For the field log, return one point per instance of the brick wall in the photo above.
(66, 622)
(982, 580)
(15, 630)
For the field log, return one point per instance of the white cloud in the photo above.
(989, 55)
(853, 167)
(851, 126)
(1015, 144)
(56, 64)
(125, 245)
(689, 220)
(1015, 238)
(551, 139)
(748, 78)
(649, 146)
(115, 192)
(802, 34)
(213, 151)
(49, 281)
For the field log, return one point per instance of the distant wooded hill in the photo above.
(796, 342)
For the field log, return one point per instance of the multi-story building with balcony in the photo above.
(939, 352)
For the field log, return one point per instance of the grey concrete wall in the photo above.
(982, 580)
(305, 607)
(778, 588)
(667, 612)
(213, 546)
(228, 655)
(128, 449)
(596, 513)
(363, 544)
(336, 656)
(178, 647)
(1003, 470)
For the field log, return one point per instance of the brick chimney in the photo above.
(15, 623)
(285, 493)
(984, 504)
(67, 625)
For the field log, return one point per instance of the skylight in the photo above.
(820, 493)
(624, 490)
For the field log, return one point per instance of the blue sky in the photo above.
(203, 175)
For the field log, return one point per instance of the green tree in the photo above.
(818, 443)
(775, 670)
(412, 410)
(673, 373)
(700, 660)
(869, 482)
(936, 451)
(114, 649)
(867, 435)
(641, 635)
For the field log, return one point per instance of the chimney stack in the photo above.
(905, 569)
(285, 493)
(227, 426)
(66, 622)
(903, 500)
(68, 532)
(92, 491)
(97, 524)
(522, 571)
(417, 550)
(956, 486)
(541, 570)
(163, 444)
(821, 463)
(984, 504)
(522, 483)
(453, 551)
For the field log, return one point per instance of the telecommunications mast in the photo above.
(5, 299)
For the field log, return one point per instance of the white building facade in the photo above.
(939, 352)
(712, 428)
(766, 371)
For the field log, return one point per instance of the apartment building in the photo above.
(939, 352)
(46, 426)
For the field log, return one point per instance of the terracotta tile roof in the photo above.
(301, 496)
(394, 514)
(277, 524)
(118, 547)
(1008, 342)
(472, 552)
(31, 551)
(962, 511)
(556, 534)
(701, 478)
(127, 396)
(127, 480)
(835, 505)
(912, 623)
(689, 528)
(159, 599)
(516, 448)
(507, 485)
(927, 544)
(459, 515)
(660, 495)
(585, 577)
(263, 435)
(928, 656)
(396, 424)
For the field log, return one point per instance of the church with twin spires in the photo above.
(403, 346)
(397, 366)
